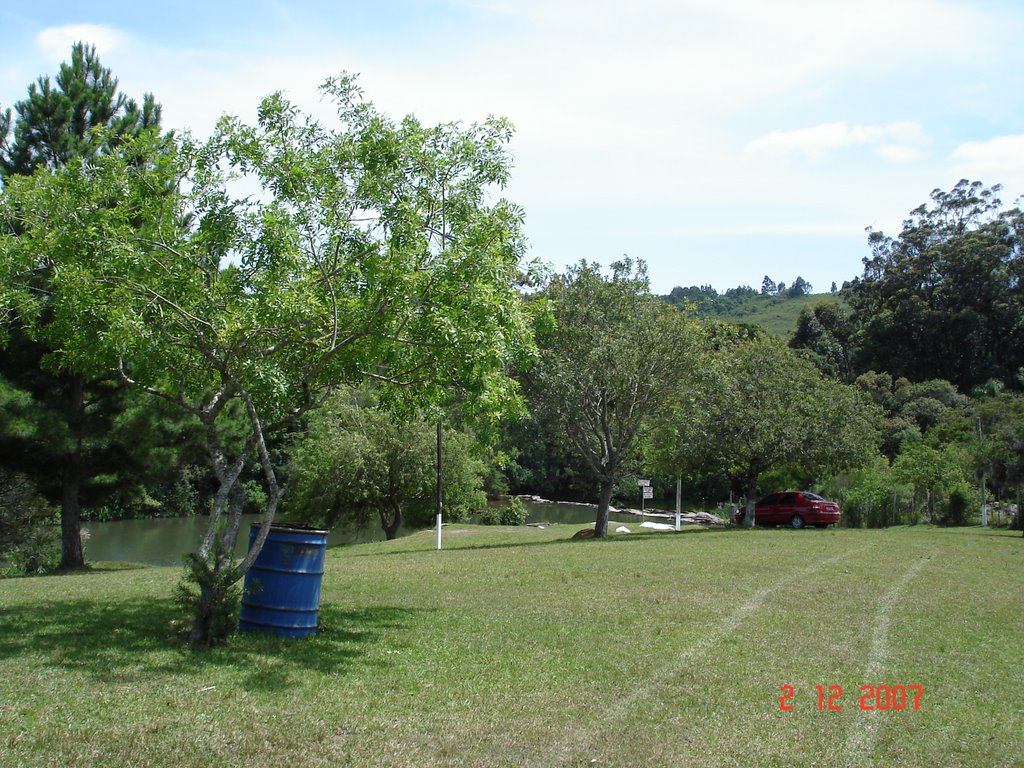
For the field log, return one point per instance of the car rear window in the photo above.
(813, 497)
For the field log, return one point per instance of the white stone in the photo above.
(657, 526)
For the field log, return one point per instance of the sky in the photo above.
(718, 140)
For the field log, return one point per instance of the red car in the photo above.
(795, 509)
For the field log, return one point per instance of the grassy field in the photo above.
(778, 316)
(517, 647)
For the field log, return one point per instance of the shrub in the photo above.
(218, 612)
(489, 516)
(29, 528)
(512, 513)
(956, 508)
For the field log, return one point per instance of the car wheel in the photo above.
(796, 521)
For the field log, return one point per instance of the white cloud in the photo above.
(825, 228)
(56, 42)
(999, 160)
(899, 142)
(899, 153)
(995, 154)
(626, 107)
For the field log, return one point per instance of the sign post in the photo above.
(646, 492)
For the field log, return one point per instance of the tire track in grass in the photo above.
(570, 748)
(865, 728)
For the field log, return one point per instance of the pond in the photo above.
(164, 541)
(571, 514)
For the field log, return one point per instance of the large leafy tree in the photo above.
(931, 471)
(610, 364)
(370, 251)
(66, 438)
(357, 462)
(989, 433)
(761, 408)
(824, 331)
(944, 298)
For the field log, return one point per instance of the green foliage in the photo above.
(58, 122)
(512, 512)
(932, 473)
(824, 332)
(66, 437)
(372, 249)
(540, 462)
(29, 530)
(489, 516)
(612, 362)
(912, 410)
(866, 495)
(358, 462)
(958, 505)
(943, 298)
(760, 408)
(209, 597)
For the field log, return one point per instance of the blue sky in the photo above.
(719, 140)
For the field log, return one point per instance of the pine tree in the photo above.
(55, 123)
(78, 116)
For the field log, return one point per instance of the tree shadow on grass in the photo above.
(141, 640)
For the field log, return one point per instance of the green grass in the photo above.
(777, 315)
(517, 647)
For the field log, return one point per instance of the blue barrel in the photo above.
(281, 595)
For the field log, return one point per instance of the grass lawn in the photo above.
(517, 647)
(777, 316)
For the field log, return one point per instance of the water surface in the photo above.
(165, 540)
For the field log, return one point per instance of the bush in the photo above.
(29, 528)
(512, 513)
(956, 508)
(489, 516)
(867, 498)
(211, 598)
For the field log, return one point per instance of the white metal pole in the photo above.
(679, 499)
(440, 485)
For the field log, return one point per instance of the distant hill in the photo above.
(776, 314)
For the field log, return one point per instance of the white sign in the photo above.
(648, 492)
(643, 483)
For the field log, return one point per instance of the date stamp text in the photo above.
(872, 697)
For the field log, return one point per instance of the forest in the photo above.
(173, 344)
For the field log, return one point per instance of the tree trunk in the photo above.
(601, 525)
(748, 518)
(201, 622)
(71, 554)
(216, 611)
(212, 568)
(210, 624)
(391, 524)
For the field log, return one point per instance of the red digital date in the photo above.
(873, 697)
